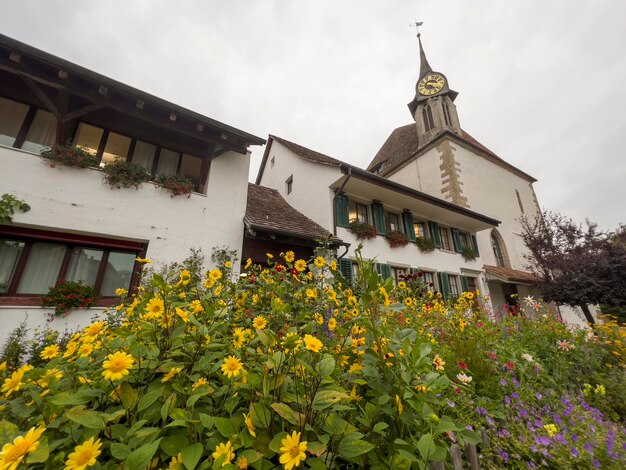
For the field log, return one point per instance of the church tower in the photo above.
(433, 106)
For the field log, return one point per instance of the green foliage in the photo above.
(15, 347)
(67, 155)
(67, 295)
(8, 205)
(123, 174)
(362, 230)
(425, 245)
(468, 254)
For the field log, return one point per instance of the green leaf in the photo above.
(275, 444)
(171, 445)
(260, 415)
(225, 427)
(66, 398)
(316, 448)
(89, 419)
(41, 454)
(128, 395)
(168, 406)
(149, 398)
(317, 464)
(326, 366)
(407, 455)
(8, 432)
(191, 455)
(378, 427)
(327, 398)
(206, 420)
(353, 448)
(140, 458)
(285, 412)
(119, 451)
(426, 446)
(251, 455)
(445, 425)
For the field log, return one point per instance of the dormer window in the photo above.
(427, 115)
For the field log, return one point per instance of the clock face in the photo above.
(431, 84)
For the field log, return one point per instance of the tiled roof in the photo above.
(510, 274)
(267, 210)
(306, 153)
(403, 144)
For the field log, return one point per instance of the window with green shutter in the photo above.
(345, 268)
(378, 215)
(475, 244)
(465, 284)
(384, 270)
(456, 240)
(409, 230)
(434, 233)
(341, 208)
(444, 286)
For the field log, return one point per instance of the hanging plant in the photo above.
(362, 230)
(425, 245)
(468, 254)
(8, 205)
(176, 185)
(123, 174)
(397, 239)
(67, 295)
(66, 155)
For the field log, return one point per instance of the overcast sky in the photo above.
(542, 84)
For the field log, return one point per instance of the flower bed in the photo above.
(283, 368)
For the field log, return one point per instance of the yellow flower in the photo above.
(290, 256)
(438, 363)
(182, 295)
(143, 260)
(248, 263)
(228, 264)
(312, 343)
(84, 380)
(84, 455)
(311, 293)
(333, 265)
(242, 463)
(120, 291)
(117, 365)
(13, 453)
(318, 318)
(215, 274)
(259, 323)
(155, 308)
(177, 462)
(239, 337)
(225, 450)
(3, 366)
(70, 349)
(199, 383)
(332, 323)
(94, 328)
(182, 314)
(320, 262)
(85, 349)
(551, 429)
(197, 307)
(232, 367)
(49, 352)
(173, 371)
(401, 285)
(600, 390)
(249, 425)
(13, 383)
(399, 405)
(269, 255)
(356, 367)
(300, 265)
(408, 301)
(292, 451)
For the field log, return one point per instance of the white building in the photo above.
(79, 229)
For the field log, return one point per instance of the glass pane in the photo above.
(362, 213)
(352, 215)
(12, 116)
(42, 132)
(144, 154)
(118, 273)
(168, 162)
(10, 251)
(116, 147)
(190, 168)
(84, 265)
(88, 137)
(42, 268)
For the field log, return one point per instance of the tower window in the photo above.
(497, 250)
(446, 114)
(289, 184)
(427, 115)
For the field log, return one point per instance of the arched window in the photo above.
(446, 113)
(499, 250)
(427, 115)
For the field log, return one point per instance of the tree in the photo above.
(575, 264)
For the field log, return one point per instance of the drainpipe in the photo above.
(337, 191)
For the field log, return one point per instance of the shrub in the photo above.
(362, 230)
(15, 348)
(176, 185)
(397, 239)
(425, 245)
(123, 174)
(468, 254)
(67, 155)
(8, 205)
(66, 296)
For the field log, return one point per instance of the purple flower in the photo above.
(504, 433)
(470, 427)
(515, 383)
(481, 411)
(490, 421)
(451, 404)
(595, 463)
(523, 413)
(574, 437)
(557, 419)
(574, 452)
(538, 396)
(560, 439)
(503, 382)
(588, 448)
(538, 423)
(531, 465)
(504, 456)
(515, 395)
(507, 400)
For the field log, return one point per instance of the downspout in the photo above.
(337, 191)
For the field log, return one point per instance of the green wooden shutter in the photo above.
(434, 233)
(407, 218)
(345, 268)
(464, 284)
(341, 206)
(383, 270)
(475, 244)
(378, 214)
(456, 240)
(444, 285)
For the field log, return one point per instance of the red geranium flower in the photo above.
(492, 355)
(509, 365)
(462, 365)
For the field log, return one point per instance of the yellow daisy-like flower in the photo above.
(409, 301)
(84, 455)
(292, 451)
(318, 318)
(94, 328)
(14, 452)
(290, 256)
(242, 463)
(170, 375)
(120, 291)
(85, 349)
(249, 425)
(177, 462)
(155, 308)
(311, 294)
(259, 323)
(401, 285)
(228, 264)
(215, 274)
(333, 265)
(199, 383)
(248, 263)
(356, 367)
(3, 366)
(232, 367)
(438, 363)
(551, 429)
(312, 343)
(13, 383)
(49, 352)
(399, 405)
(332, 323)
(300, 265)
(182, 314)
(239, 337)
(117, 365)
(320, 262)
(225, 450)
(143, 260)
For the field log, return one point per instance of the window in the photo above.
(289, 184)
(427, 115)
(358, 212)
(465, 240)
(454, 285)
(88, 137)
(396, 273)
(444, 234)
(191, 168)
(12, 115)
(32, 263)
(497, 250)
(168, 162)
(42, 132)
(117, 147)
(393, 222)
(420, 229)
(429, 280)
(144, 154)
(446, 113)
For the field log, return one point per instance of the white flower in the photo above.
(527, 357)
(463, 378)
(529, 300)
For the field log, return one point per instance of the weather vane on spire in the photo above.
(417, 24)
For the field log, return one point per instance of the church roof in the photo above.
(267, 211)
(403, 145)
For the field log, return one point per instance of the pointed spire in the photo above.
(424, 65)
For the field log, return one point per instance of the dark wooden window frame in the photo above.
(399, 224)
(70, 241)
(363, 207)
